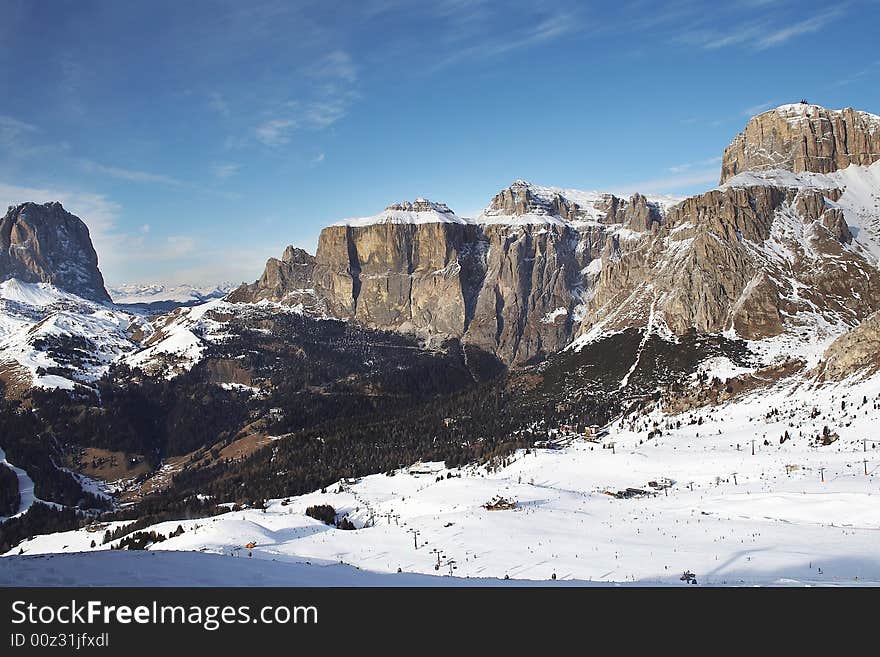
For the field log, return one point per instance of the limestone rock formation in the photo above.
(508, 281)
(522, 198)
(542, 266)
(803, 137)
(47, 244)
(401, 276)
(856, 352)
(287, 279)
(737, 257)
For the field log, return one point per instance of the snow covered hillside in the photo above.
(55, 339)
(157, 568)
(777, 487)
(859, 196)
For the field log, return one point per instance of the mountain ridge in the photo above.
(541, 267)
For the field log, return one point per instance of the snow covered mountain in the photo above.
(164, 297)
(571, 385)
(511, 281)
(784, 243)
(54, 339)
(420, 211)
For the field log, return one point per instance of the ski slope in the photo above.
(791, 513)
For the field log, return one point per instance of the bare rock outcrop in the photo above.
(288, 279)
(803, 137)
(856, 352)
(44, 243)
(747, 258)
(542, 266)
(521, 198)
(399, 276)
(524, 306)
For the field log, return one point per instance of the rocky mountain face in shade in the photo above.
(47, 244)
(803, 137)
(787, 241)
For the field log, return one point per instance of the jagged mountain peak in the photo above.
(44, 243)
(524, 201)
(420, 205)
(524, 198)
(295, 255)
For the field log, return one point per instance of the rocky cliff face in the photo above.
(804, 137)
(751, 258)
(508, 281)
(543, 266)
(401, 276)
(856, 352)
(288, 279)
(46, 244)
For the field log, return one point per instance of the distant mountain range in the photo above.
(156, 293)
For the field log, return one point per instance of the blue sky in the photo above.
(196, 139)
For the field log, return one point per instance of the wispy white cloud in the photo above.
(491, 45)
(130, 175)
(767, 31)
(689, 166)
(296, 115)
(760, 107)
(12, 130)
(807, 26)
(712, 37)
(73, 77)
(225, 170)
(672, 184)
(150, 178)
(332, 90)
(858, 75)
(325, 113)
(336, 64)
(21, 141)
(276, 132)
(218, 104)
(318, 159)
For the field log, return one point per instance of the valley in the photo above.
(570, 386)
